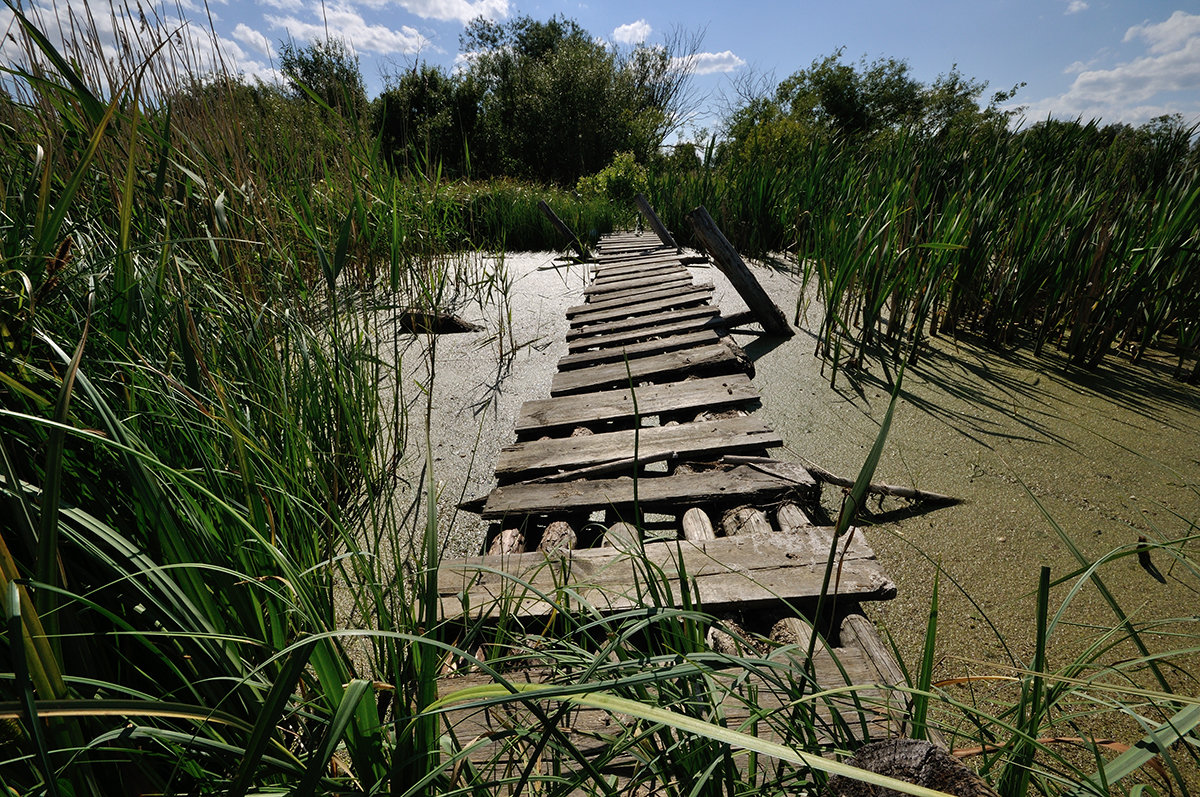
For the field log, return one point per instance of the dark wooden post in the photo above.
(660, 229)
(562, 227)
(773, 320)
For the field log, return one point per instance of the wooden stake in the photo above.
(656, 224)
(732, 266)
(562, 228)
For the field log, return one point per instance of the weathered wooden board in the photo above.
(626, 267)
(691, 296)
(636, 293)
(609, 247)
(686, 440)
(631, 330)
(596, 306)
(716, 357)
(657, 345)
(604, 290)
(744, 572)
(681, 490)
(568, 411)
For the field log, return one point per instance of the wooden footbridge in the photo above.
(647, 456)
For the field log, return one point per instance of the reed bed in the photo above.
(199, 433)
(1046, 235)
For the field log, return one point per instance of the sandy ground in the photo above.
(1109, 456)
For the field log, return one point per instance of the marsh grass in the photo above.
(200, 426)
(1031, 238)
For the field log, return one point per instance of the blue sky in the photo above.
(1118, 60)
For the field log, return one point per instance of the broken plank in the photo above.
(633, 264)
(610, 405)
(695, 295)
(739, 484)
(643, 348)
(630, 294)
(675, 364)
(746, 572)
(676, 290)
(620, 333)
(662, 278)
(711, 438)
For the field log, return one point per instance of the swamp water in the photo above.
(1109, 455)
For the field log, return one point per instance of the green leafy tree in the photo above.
(555, 104)
(328, 72)
(426, 118)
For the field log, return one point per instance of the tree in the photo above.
(556, 104)
(326, 71)
(426, 117)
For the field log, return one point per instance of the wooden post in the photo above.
(660, 229)
(562, 227)
(773, 320)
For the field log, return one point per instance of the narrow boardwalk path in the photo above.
(647, 457)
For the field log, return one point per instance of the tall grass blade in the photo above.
(342, 718)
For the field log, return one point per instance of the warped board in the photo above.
(655, 345)
(714, 437)
(631, 330)
(603, 290)
(743, 572)
(741, 484)
(590, 317)
(625, 267)
(690, 362)
(712, 392)
(595, 305)
(677, 284)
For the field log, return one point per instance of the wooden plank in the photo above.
(673, 364)
(568, 411)
(645, 295)
(631, 330)
(630, 294)
(685, 440)
(695, 295)
(739, 484)
(633, 264)
(730, 262)
(673, 276)
(747, 572)
(643, 348)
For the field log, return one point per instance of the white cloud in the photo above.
(284, 5)
(632, 32)
(448, 10)
(1164, 37)
(1075, 6)
(256, 41)
(1164, 79)
(710, 63)
(342, 22)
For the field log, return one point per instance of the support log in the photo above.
(558, 536)
(745, 520)
(508, 541)
(792, 518)
(773, 320)
(696, 526)
(656, 224)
